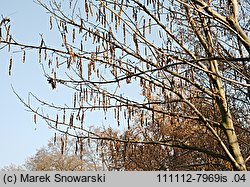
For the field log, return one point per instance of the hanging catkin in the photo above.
(35, 118)
(56, 121)
(50, 22)
(24, 56)
(10, 65)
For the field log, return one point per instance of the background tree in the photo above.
(60, 155)
(154, 156)
(12, 167)
(186, 63)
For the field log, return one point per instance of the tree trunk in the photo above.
(227, 123)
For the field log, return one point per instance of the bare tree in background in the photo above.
(12, 167)
(51, 158)
(193, 152)
(186, 63)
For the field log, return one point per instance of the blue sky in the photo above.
(19, 136)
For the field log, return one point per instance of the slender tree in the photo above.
(179, 65)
